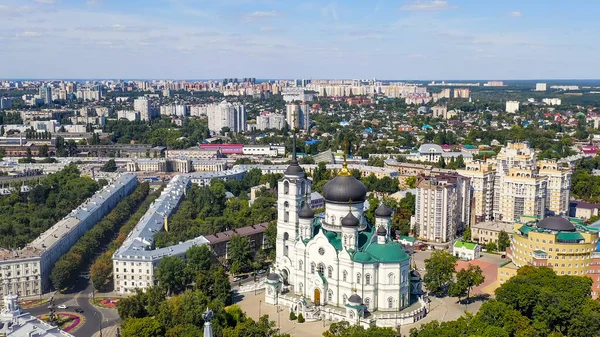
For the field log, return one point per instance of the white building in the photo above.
(466, 250)
(432, 153)
(16, 323)
(337, 265)
(270, 121)
(174, 110)
(552, 101)
(296, 95)
(540, 87)
(142, 105)
(129, 115)
(88, 95)
(297, 116)
(227, 115)
(442, 207)
(512, 106)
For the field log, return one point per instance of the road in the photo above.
(80, 298)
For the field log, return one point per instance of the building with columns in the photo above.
(337, 265)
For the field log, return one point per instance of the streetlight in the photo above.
(278, 321)
(259, 303)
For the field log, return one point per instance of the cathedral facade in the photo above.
(337, 259)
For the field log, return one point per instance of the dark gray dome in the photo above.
(273, 277)
(343, 189)
(355, 299)
(294, 168)
(383, 211)
(350, 220)
(306, 212)
(556, 223)
(381, 230)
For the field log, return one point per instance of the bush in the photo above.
(293, 316)
(300, 318)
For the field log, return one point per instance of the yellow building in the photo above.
(559, 185)
(554, 242)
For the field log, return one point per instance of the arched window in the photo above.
(303, 188)
(390, 303)
(368, 279)
(321, 269)
(286, 204)
(333, 219)
(286, 216)
(358, 278)
(300, 287)
(286, 236)
(330, 272)
(329, 295)
(312, 268)
(300, 264)
(404, 276)
(351, 314)
(345, 239)
(367, 302)
(344, 276)
(391, 278)
(345, 299)
(286, 187)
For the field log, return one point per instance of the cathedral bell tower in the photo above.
(291, 190)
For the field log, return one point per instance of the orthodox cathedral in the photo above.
(337, 265)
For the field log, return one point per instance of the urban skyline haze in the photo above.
(196, 39)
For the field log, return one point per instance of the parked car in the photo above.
(262, 271)
(62, 306)
(79, 311)
(236, 279)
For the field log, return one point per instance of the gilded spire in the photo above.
(345, 172)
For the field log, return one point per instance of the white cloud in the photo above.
(515, 14)
(266, 29)
(259, 15)
(27, 34)
(436, 5)
(46, 2)
(93, 2)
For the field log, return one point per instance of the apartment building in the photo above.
(227, 115)
(559, 185)
(297, 116)
(488, 231)
(482, 177)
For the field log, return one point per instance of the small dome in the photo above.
(306, 212)
(294, 169)
(381, 231)
(383, 211)
(343, 189)
(354, 299)
(273, 277)
(556, 223)
(350, 220)
(362, 257)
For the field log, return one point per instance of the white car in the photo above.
(62, 306)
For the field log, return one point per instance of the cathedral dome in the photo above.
(381, 230)
(344, 188)
(350, 220)
(383, 211)
(273, 277)
(354, 299)
(557, 223)
(306, 212)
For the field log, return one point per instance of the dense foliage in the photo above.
(345, 329)
(403, 210)
(66, 269)
(25, 217)
(535, 303)
(161, 132)
(585, 185)
(101, 269)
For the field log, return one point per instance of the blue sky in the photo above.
(386, 39)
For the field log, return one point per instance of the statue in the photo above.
(207, 316)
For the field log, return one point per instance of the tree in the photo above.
(465, 280)
(491, 246)
(467, 234)
(199, 258)
(142, 327)
(439, 269)
(239, 254)
(503, 241)
(411, 181)
(43, 152)
(171, 274)
(345, 329)
(184, 330)
(109, 166)
(133, 306)
(460, 162)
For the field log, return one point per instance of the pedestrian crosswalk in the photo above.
(110, 331)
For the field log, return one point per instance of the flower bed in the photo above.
(66, 321)
(110, 303)
(32, 303)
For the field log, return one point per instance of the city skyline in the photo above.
(196, 39)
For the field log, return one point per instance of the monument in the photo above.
(207, 316)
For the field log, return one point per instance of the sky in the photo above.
(289, 39)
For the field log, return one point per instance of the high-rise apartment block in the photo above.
(540, 87)
(46, 94)
(462, 92)
(515, 184)
(227, 115)
(297, 116)
(270, 121)
(442, 207)
(142, 105)
(512, 106)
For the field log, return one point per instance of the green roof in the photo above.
(408, 238)
(525, 229)
(468, 146)
(362, 257)
(569, 236)
(468, 245)
(335, 240)
(390, 252)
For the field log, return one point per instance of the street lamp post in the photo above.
(278, 320)
(259, 303)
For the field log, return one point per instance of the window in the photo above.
(303, 188)
(368, 279)
(390, 303)
(286, 236)
(330, 272)
(312, 268)
(330, 296)
(344, 276)
(300, 264)
(391, 278)
(300, 287)
(358, 278)
(367, 302)
(286, 187)
(345, 299)
(321, 269)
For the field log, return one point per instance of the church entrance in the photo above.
(317, 297)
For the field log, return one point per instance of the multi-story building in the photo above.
(462, 92)
(270, 121)
(26, 272)
(540, 86)
(147, 165)
(488, 231)
(442, 207)
(142, 105)
(567, 248)
(297, 116)
(481, 176)
(227, 115)
(522, 192)
(552, 101)
(512, 106)
(46, 94)
(559, 185)
(129, 115)
(219, 242)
